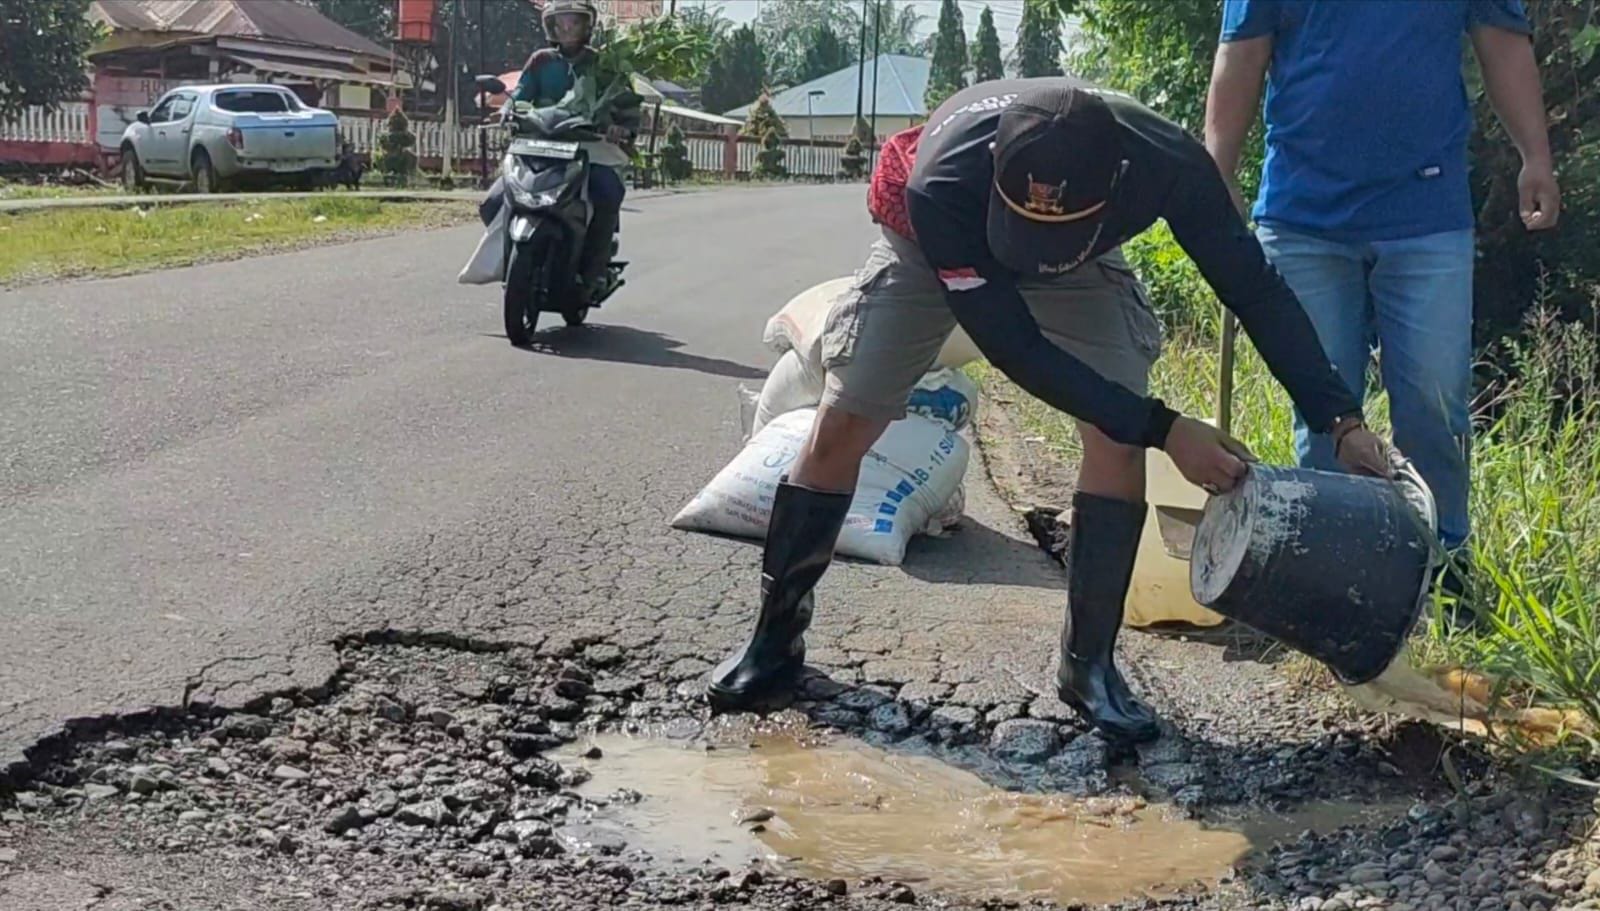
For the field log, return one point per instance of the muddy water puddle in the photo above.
(842, 809)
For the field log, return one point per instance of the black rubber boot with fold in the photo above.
(800, 540)
(1105, 541)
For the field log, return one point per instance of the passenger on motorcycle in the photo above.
(546, 78)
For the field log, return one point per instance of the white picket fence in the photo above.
(804, 160)
(363, 132)
(801, 160)
(69, 123)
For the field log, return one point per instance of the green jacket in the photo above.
(549, 75)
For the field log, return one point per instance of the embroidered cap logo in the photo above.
(1045, 199)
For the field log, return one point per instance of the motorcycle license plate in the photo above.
(544, 148)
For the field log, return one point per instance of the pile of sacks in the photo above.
(911, 481)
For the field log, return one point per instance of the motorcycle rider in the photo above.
(1005, 215)
(546, 78)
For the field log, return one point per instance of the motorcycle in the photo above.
(546, 177)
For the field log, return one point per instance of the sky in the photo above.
(1007, 13)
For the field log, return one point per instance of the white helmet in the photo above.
(554, 8)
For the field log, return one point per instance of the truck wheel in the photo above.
(205, 173)
(132, 171)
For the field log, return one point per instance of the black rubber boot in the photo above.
(805, 526)
(1105, 541)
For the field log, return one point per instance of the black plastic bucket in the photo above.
(1332, 565)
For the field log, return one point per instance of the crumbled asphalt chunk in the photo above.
(244, 727)
(96, 792)
(289, 773)
(864, 699)
(890, 718)
(1024, 740)
(344, 819)
(432, 813)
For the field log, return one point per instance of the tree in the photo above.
(42, 48)
(787, 30)
(853, 162)
(1164, 58)
(675, 163)
(501, 39)
(1039, 38)
(395, 159)
(986, 63)
(900, 27)
(736, 73)
(769, 161)
(373, 19)
(763, 120)
(948, 74)
(709, 21)
(826, 53)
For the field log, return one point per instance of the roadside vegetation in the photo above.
(11, 191)
(60, 243)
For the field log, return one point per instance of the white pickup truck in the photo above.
(214, 135)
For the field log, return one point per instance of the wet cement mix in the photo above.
(457, 776)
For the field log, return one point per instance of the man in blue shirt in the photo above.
(1365, 207)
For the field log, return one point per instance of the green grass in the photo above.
(73, 242)
(1535, 506)
(1536, 526)
(15, 191)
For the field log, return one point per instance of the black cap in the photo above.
(1057, 158)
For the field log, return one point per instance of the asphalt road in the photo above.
(209, 474)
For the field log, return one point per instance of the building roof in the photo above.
(278, 20)
(668, 87)
(902, 81)
(702, 116)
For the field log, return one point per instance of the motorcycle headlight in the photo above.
(534, 189)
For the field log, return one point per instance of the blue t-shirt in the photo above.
(1366, 112)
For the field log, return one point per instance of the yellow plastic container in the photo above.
(1160, 591)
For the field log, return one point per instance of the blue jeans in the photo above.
(1412, 300)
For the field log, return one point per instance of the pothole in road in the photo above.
(440, 777)
(837, 809)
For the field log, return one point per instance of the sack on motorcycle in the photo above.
(487, 264)
(908, 480)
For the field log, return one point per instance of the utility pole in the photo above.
(452, 110)
(483, 97)
(861, 65)
(877, 44)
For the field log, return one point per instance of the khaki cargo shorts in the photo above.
(886, 331)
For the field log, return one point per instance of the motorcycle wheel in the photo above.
(576, 317)
(525, 288)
